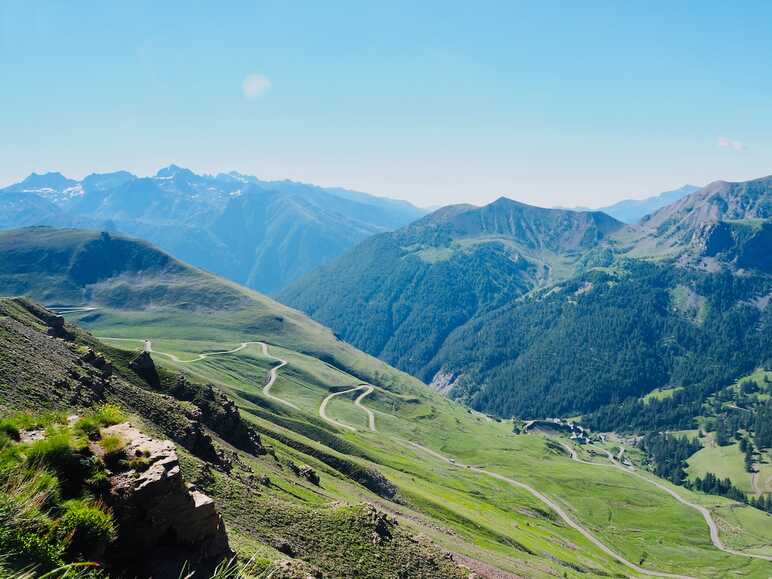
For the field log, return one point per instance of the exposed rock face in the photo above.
(220, 414)
(145, 368)
(745, 246)
(305, 472)
(55, 322)
(162, 523)
(443, 382)
(98, 361)
(713, 238)
(719, 201)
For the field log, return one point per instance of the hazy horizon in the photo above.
(151, 173)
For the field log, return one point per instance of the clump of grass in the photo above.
(79, 570)
(112, 445)
(87, 526)
(255, 568)
(25, 528)
(5, 441)
(89, 425)
(47, 515)
(13, 424)
(109, 414)
(99, 481)
(60, 452)
(55, 450)
(9, 430)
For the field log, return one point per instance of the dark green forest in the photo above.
(600, 342)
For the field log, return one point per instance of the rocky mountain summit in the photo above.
(718, 201)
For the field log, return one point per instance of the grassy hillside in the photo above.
(490, 520)
(482, 520)
(267, 501)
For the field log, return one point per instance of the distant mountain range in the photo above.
(529, 311)
(262, 234)
(633, 210)
(514, 309)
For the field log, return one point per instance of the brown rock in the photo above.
(157, 515)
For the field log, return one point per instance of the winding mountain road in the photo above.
(367, 389)
(555, 507)
(174, 358)
(715, 538)
(273, 373)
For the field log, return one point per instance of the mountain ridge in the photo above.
(197, 217)
(424, 297)
(438, 273)
(633, 210)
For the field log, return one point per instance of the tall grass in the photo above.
(232, 568)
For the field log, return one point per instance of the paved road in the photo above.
(366, 390)
(715, 538)
(370, 415)
(175, 358)
(72, 309)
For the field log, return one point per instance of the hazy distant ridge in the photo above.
(263, 234)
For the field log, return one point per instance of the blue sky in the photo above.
(571, 103)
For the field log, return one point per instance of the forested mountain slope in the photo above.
(262, 234)
(399, 295)
(607, 336)
(515, 311)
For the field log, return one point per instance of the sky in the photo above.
(550, 103)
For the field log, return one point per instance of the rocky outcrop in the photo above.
(144, 367)
(381, 523)
(713, 238)
(162, 521)
(443, 382)
(55, 322)
(209, 409)
(219, 413)
(305, 472)
(743, 245)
